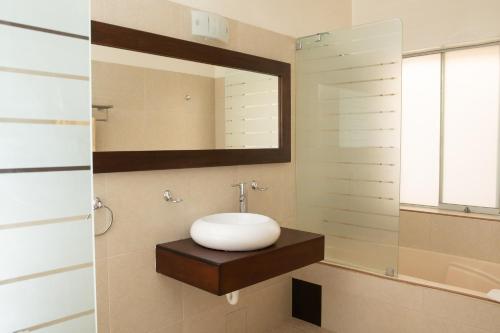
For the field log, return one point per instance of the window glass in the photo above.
(471, 107)
(420, 130)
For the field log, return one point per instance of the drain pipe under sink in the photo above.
(232, 298)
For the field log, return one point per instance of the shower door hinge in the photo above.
(315, 38)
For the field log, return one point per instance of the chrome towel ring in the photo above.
(98, 204)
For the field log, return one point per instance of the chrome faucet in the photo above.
(243, 193)
(243, 197)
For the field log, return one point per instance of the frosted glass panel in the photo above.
(28, 197)
(46, 298)
(420, 130)
(62, 15)
(27, 96)
(31, 50)
(250, 110)
(39, 248)
(348, 142)
(33, 144)
(83, 324)
(470, 161)
(46, 233)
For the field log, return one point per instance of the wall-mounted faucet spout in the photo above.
(243, 193)
(242, 197)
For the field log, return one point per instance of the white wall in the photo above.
(289, 17)
(434, 23)
(426, 23)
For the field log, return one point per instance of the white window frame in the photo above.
(441, 204)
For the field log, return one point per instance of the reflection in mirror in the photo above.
(148, 102)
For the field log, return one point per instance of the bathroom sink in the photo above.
(235, 231)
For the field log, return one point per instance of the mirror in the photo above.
(147, 102)
(165, 103)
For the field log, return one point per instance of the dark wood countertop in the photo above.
(221, 272)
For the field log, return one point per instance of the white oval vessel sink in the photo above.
(235, 231)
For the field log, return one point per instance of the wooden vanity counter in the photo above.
(221, 272)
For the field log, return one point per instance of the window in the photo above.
(421, 114)
(450, 129)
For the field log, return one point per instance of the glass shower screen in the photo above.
(46, 233)
(348, 142)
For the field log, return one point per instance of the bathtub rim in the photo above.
(414, 281)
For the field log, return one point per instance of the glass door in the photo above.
(46, 236)
(348, 142)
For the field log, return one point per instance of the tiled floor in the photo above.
(298, 326)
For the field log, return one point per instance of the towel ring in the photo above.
(98, 204)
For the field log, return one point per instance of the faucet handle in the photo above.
(256, 187)
(167, 195)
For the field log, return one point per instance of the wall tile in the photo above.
(414, 230)
(384, 290)
(294, 325)
(212, 320)
(171, 328)
(461, 309)
(102, 304)
(495, 234)
(236, 321)
(285, 278)
(463, 237)
(142, 217)
(433, 324)
(141, 300)
(196, 301)
(356, 302)
(149, 109)
(460, 236)
(270, 307)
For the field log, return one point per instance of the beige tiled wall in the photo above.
(460, 236)
(354, 302)
(150, 111)
(131, 297)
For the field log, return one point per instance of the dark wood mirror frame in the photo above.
(135, 40)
